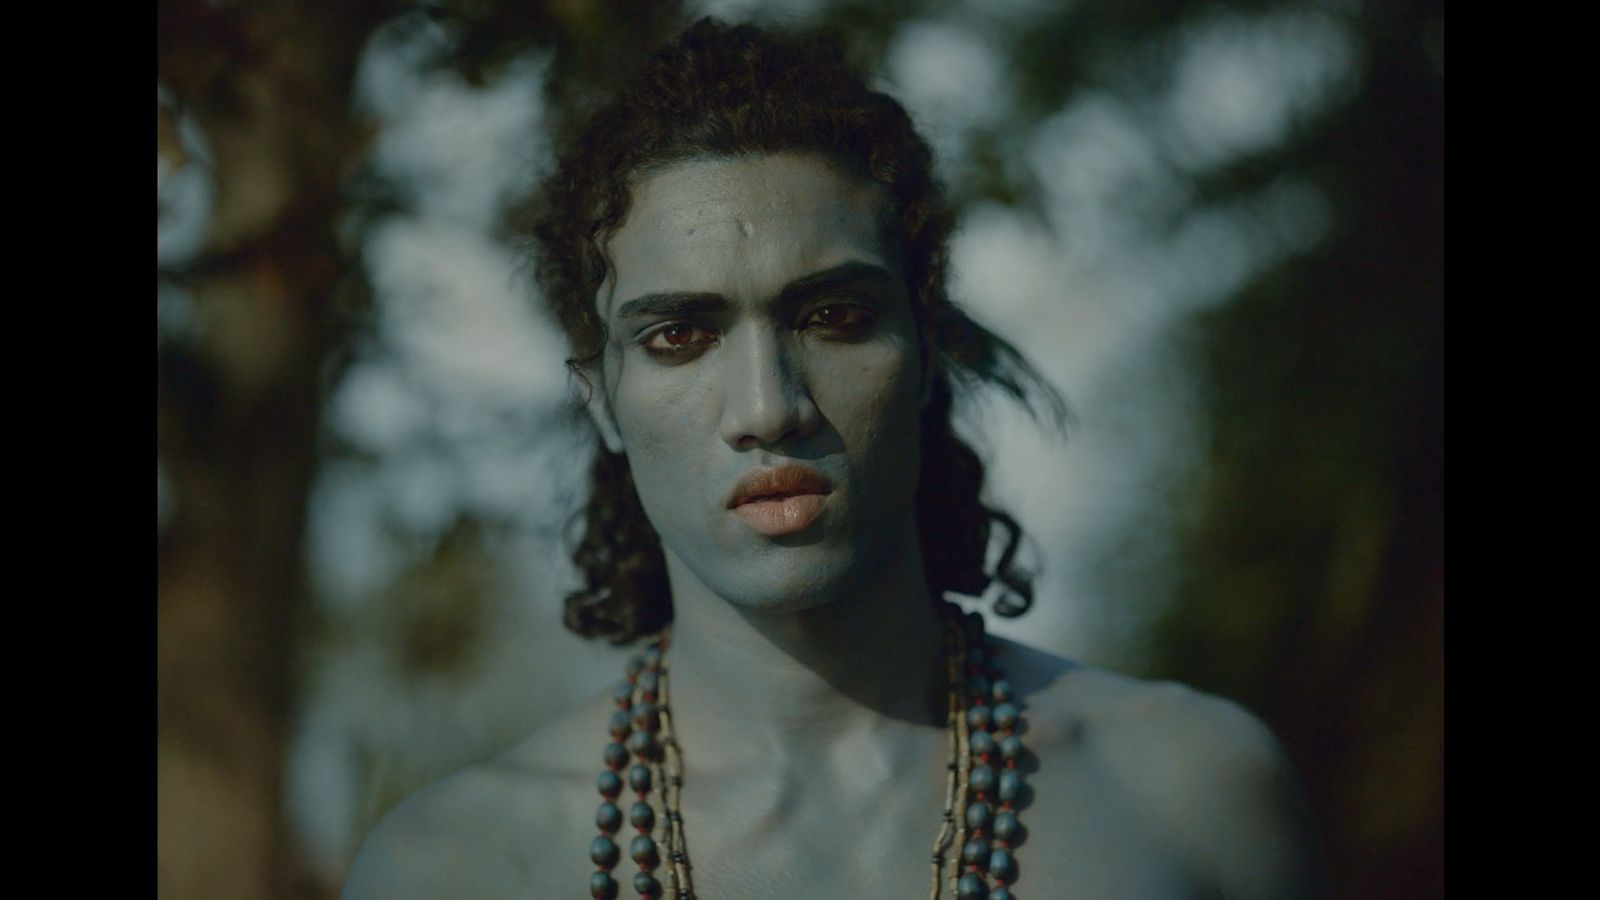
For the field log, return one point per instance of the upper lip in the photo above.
(783, 481)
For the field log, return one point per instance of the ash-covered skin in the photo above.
(747, 373)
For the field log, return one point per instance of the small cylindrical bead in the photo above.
(603, 852)
(608, 817)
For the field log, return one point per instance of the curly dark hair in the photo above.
(721, 91)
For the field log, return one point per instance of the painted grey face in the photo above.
(763, 377)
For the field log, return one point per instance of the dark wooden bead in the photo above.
(610, 784)
(1005, 716)
(978, 718)
(616, 756)
(1010, 747)
(1002, 866)
(639, 778)
(1010, 785)
(982, 743)
(978, 815)
(975, 853)
(603, 852)
(1005, 826)
(643, 851)
(970, 887)
(646, 885)
(602, 886)
(608, 817)
(1001, 691)
(641, 816)
(981, 779)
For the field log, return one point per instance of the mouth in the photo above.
(780, 501)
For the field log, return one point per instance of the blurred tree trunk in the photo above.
(237, 413)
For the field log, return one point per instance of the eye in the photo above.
(846, 317)
(678, 337)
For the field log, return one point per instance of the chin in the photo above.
(793, 582)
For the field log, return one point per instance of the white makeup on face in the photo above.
(763, 375)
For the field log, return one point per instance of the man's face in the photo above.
(760, 325)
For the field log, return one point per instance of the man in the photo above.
(747, 251)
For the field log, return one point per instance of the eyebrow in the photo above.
(674, 304)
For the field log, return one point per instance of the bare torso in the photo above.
(1138, 790)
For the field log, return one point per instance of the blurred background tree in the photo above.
(1218, 226)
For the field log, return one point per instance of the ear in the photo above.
(599, 409)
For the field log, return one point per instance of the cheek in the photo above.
(877, 404)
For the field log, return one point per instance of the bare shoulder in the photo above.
(1200, 767)
(498, 829)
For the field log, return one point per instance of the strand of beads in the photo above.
(632, 727)
(671, 786)
(953, 718)
(992, 722)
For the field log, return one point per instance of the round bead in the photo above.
(646, 885)
(647, 716)
(635, 666)
(1001, 690)
(1005, 715)
(641, 816)
(1010, 747)
(608, 818)
(1000, 893)
(623, 694)
(978, 686)
(978, 815)
(981, 779)
(616, 756)
(970, 887)
(1005, 826)
(609, 784)
(603, 852)
(978, 718)
(1010, 786)
(639, 778)
(643, 851)
(1002, 867)
(620, 724)
(642, 745)
(982, 743)
(975, 853)
(652, 656)
(649, 681)
(602, 886)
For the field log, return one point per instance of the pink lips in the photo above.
(780, 501)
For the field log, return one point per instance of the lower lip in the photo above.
(775, 518)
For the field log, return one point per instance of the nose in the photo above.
(765, 402)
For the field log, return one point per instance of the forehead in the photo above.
(743, 227)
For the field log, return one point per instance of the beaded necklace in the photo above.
(983, 718)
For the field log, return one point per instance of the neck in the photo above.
(867, 663)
